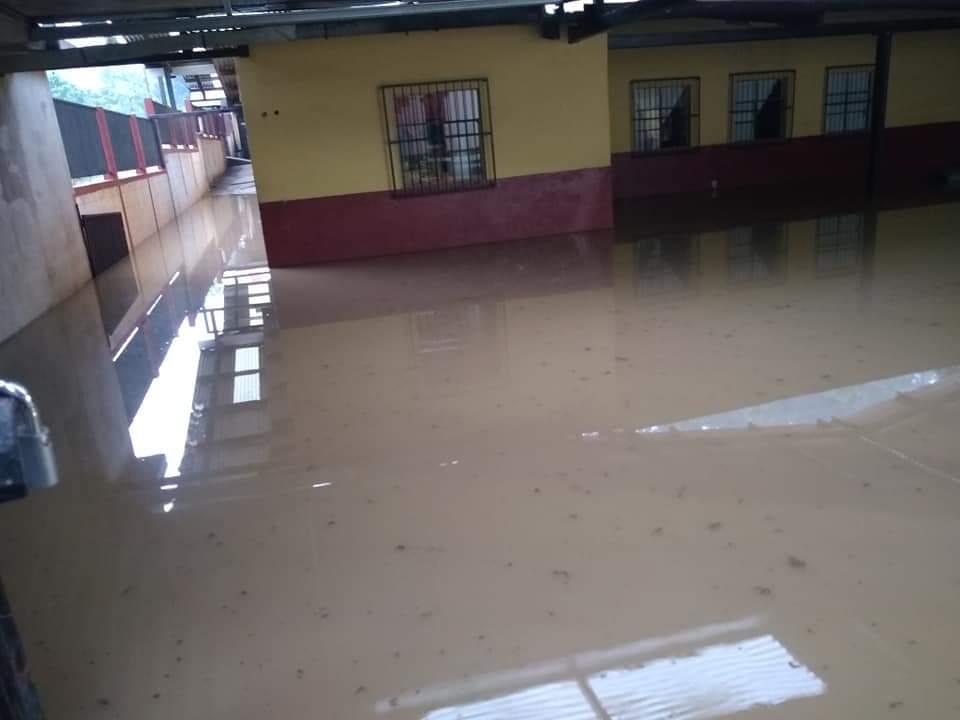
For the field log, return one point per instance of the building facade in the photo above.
(378, 144)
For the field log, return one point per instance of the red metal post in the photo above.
(190, 124)
(108, 155)
(148, 106)
(174, 130)
(138, 145)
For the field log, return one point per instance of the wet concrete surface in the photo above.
(690, 475)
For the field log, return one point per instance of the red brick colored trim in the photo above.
(114, 182)
(302, 232)
(909, 155)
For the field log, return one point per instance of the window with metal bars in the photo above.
(439, 136)
(839, 244)
(666, 114)
(846, 105)
(761, 106)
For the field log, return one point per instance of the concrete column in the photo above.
(42, 256)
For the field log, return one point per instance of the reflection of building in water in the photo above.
(140, 358)
(460, 343)
(839, 243)
(229, 422)
(757, 254)
(667, 266)
(704, 672)
(157, 332)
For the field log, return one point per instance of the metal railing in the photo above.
(103, 143)
(181, 129)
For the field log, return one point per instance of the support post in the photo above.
(108, 156)
(878, 110)
(174, 130)
(138, 145)
(168, 82)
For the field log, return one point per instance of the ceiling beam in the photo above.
(156, 50)
(13, 26)
(704, 37)
(139, 49)
(600, 18)
(239, 20)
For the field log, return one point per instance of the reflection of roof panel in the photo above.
(842, 402)
(712, 681)
(717, 680)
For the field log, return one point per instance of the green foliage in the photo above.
(121, 88)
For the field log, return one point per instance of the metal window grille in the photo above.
(666, 114)
(439, 136)
(757, 254)
(849, 91)
(839, 244)
(761, 106)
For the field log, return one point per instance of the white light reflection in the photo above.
(714, 681)
(815, 407)
(126, 342)
(168, 506)
(322, 485)
(544, 673)
(171, 486)
(160, 425)
(174, 278)
(718, 680)
(155, 303)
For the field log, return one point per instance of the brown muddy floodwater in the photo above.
(706, 466)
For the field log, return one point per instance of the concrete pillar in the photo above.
(42, 256)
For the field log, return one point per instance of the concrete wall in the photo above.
(214, 160)
(42, 256)
(323, 132)
(149, 203)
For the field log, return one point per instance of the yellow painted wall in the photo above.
(548, 99)
(924, 78)
(713, 64)
(920, 64)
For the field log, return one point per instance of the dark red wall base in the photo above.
(910, 155)
(301, 232)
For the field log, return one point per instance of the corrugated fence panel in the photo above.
(81, 139)
(151, 142)
(121, 138)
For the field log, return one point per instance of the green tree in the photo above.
(121, 88)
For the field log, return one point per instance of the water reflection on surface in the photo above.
(634, 681)
(462, 483)
(838, 403)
